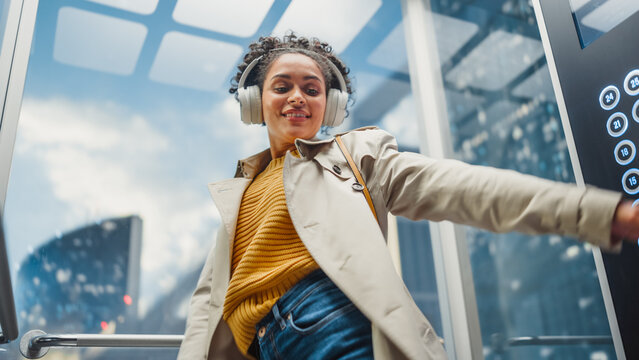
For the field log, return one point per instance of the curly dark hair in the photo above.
(317, 50)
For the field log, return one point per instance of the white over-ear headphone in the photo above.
(251, 99)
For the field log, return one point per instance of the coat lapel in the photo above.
(227, 195)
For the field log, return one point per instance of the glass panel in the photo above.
(126, 117)
(502, 112)
(594, 18)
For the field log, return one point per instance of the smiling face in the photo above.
(293, 101)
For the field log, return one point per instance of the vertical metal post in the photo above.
(14, 69)
(16, 45)
(8, 318)
(462, 334)
(13, 8)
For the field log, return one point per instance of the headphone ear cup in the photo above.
(250, 104)
(340, 113)
(245, 105)
(335, 107)
(331, 107)
(255, 97)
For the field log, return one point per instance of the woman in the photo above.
(300, 269)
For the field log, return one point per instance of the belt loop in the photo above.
(278, 318)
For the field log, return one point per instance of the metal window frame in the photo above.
(14, 53)
(455, 286)
(13, 72)
(8, 316)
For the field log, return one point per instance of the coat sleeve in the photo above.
(498, 200)
(195, 344)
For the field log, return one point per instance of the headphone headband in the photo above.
(334, 69)
(247, 71)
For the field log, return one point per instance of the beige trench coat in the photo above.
(336, 225)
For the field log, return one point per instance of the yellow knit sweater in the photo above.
(268, 255)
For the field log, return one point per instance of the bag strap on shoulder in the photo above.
(358, 176)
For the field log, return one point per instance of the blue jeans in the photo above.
(313, 320)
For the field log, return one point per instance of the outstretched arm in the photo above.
(498, 200)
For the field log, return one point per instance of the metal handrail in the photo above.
(499, 343)
(559, 340)
(36, 343)
(8, 318)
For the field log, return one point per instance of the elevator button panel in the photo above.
(620, 121)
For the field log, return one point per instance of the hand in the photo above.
(625, 223)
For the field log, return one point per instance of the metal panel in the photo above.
(576, 163)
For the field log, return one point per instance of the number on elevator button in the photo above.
(635, 111)
(631, 83)
(609, 97)
(625, 152)
(617, 124)
(630, 181)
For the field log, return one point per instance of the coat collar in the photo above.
(308, 149)
(253, 165)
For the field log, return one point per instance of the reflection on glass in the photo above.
(126, 117)
(85, 279)
(353, 16)
(502, 113)
(113, 45)
(594, 18)
(144, 7)
(223, 16)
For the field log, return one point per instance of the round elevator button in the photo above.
(617, 124)
(631, 83)
(635, 111)
(625, 152)
(630, 181)
(609, 97)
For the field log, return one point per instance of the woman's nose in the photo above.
(296, 98)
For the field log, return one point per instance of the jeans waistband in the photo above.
(311, 283)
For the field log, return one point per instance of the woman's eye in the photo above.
(312, 92)
(281, 89)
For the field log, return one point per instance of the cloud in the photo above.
(105, 161)
(248, 139)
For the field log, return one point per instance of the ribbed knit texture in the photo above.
(268, 255)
